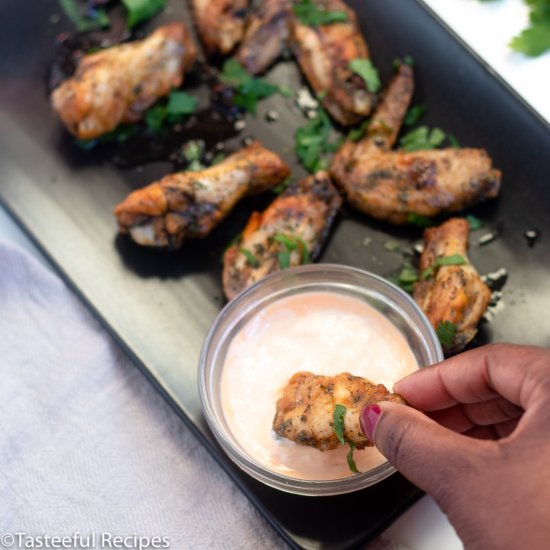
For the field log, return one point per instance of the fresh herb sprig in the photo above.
(367, 71)
(142, 10)
(446, 332)
(248, 89)
(93, 19)
(453, 259)
(422, 138)
(313, 142)
(291, 243)
(314, 16)
(338, 420)
(251, 260)
(414, 114)
(406, 277)
(179, 104)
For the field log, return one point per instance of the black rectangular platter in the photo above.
(159, 306)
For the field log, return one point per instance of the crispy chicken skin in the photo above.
(304, 213)
(305, 411)
(190, 204)
(220, 23)
(265, 36)
(324, 53)
(455, 293)
(118, 84)
(392, 185)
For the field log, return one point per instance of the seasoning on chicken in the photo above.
(290, 232)
(265, 36)
(220, 23)
(324, 53)
(118, 84)
(190, 204)
(393, 185)
(453, 294)
(305, 411)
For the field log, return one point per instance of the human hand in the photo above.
(482, 451)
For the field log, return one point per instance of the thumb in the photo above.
(426, 453)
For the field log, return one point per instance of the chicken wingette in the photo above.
(190, 204)
(118, 84)
(324, 53)
(395, 185)
(265, 36)
(305, 411)
(220, 23)
(290, 232)
(452, 296)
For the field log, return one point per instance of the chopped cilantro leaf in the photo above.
(453, 259)
(339, 414)
(414, 114)
(422, 138)
(314, 16)
(367, 71)
(141, 10)
(121, 133)
(474, 223)
(446, 332)
(220, 157)
(96, 18)
(291, 243)
(251, 260)
(406, 278)
(418, 219)
(357, 134)
(407, 60)
(453, 141)
(284, 259)
(349, 458)
(392, 246)
(248, 89)
(181, 103)
(278, 189)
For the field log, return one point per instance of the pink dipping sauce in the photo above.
(321, 332)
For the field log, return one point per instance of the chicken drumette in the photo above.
(324, 53)
(220, 23)
(305, 412)
(452, 295)
(290, 232)
(118, 84)
(265, 36)
(393, 185)
(190, 204)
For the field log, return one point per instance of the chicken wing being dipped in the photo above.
(220, 23)
(190, 204)
(393, 185)
(305, 411)
(451, 291)
(324, 52)
(118, 84)
(265, 36)
(290, 232)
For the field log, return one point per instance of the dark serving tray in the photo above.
(159, 306)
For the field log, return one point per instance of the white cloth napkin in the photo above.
(86, 444)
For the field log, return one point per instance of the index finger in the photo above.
(514, 372)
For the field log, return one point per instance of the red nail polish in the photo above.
(368, 419)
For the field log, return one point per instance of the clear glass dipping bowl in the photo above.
(385, 297)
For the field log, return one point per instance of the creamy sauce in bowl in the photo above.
(321, 332)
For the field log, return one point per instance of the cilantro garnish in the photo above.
(291, 242)
(179, 104)
(392, 246)
(141, 10)
(278, 189)
(407, 60)
(453, 141)
(367, 71)
(357, 134)
(248, 89)
(251, 260)
(414, 114)
(453, 259)
(314, 16)
(474, 223)
(312, 142)
(193, 153)
(422, 138)
(535, 39)
(418, 219)
(406, 278)
(446, 332)
(121, 133)
(338, 417)
(95, 18)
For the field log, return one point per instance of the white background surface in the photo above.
(487, 27)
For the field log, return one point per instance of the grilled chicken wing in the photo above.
(118, 84)
(392, 185)
(305, 412)
(190, 204)
(295, 225)
(453, 293)
(324, 53)
(266, 34)
(220, 23)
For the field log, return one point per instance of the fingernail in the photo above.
(368, 419)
